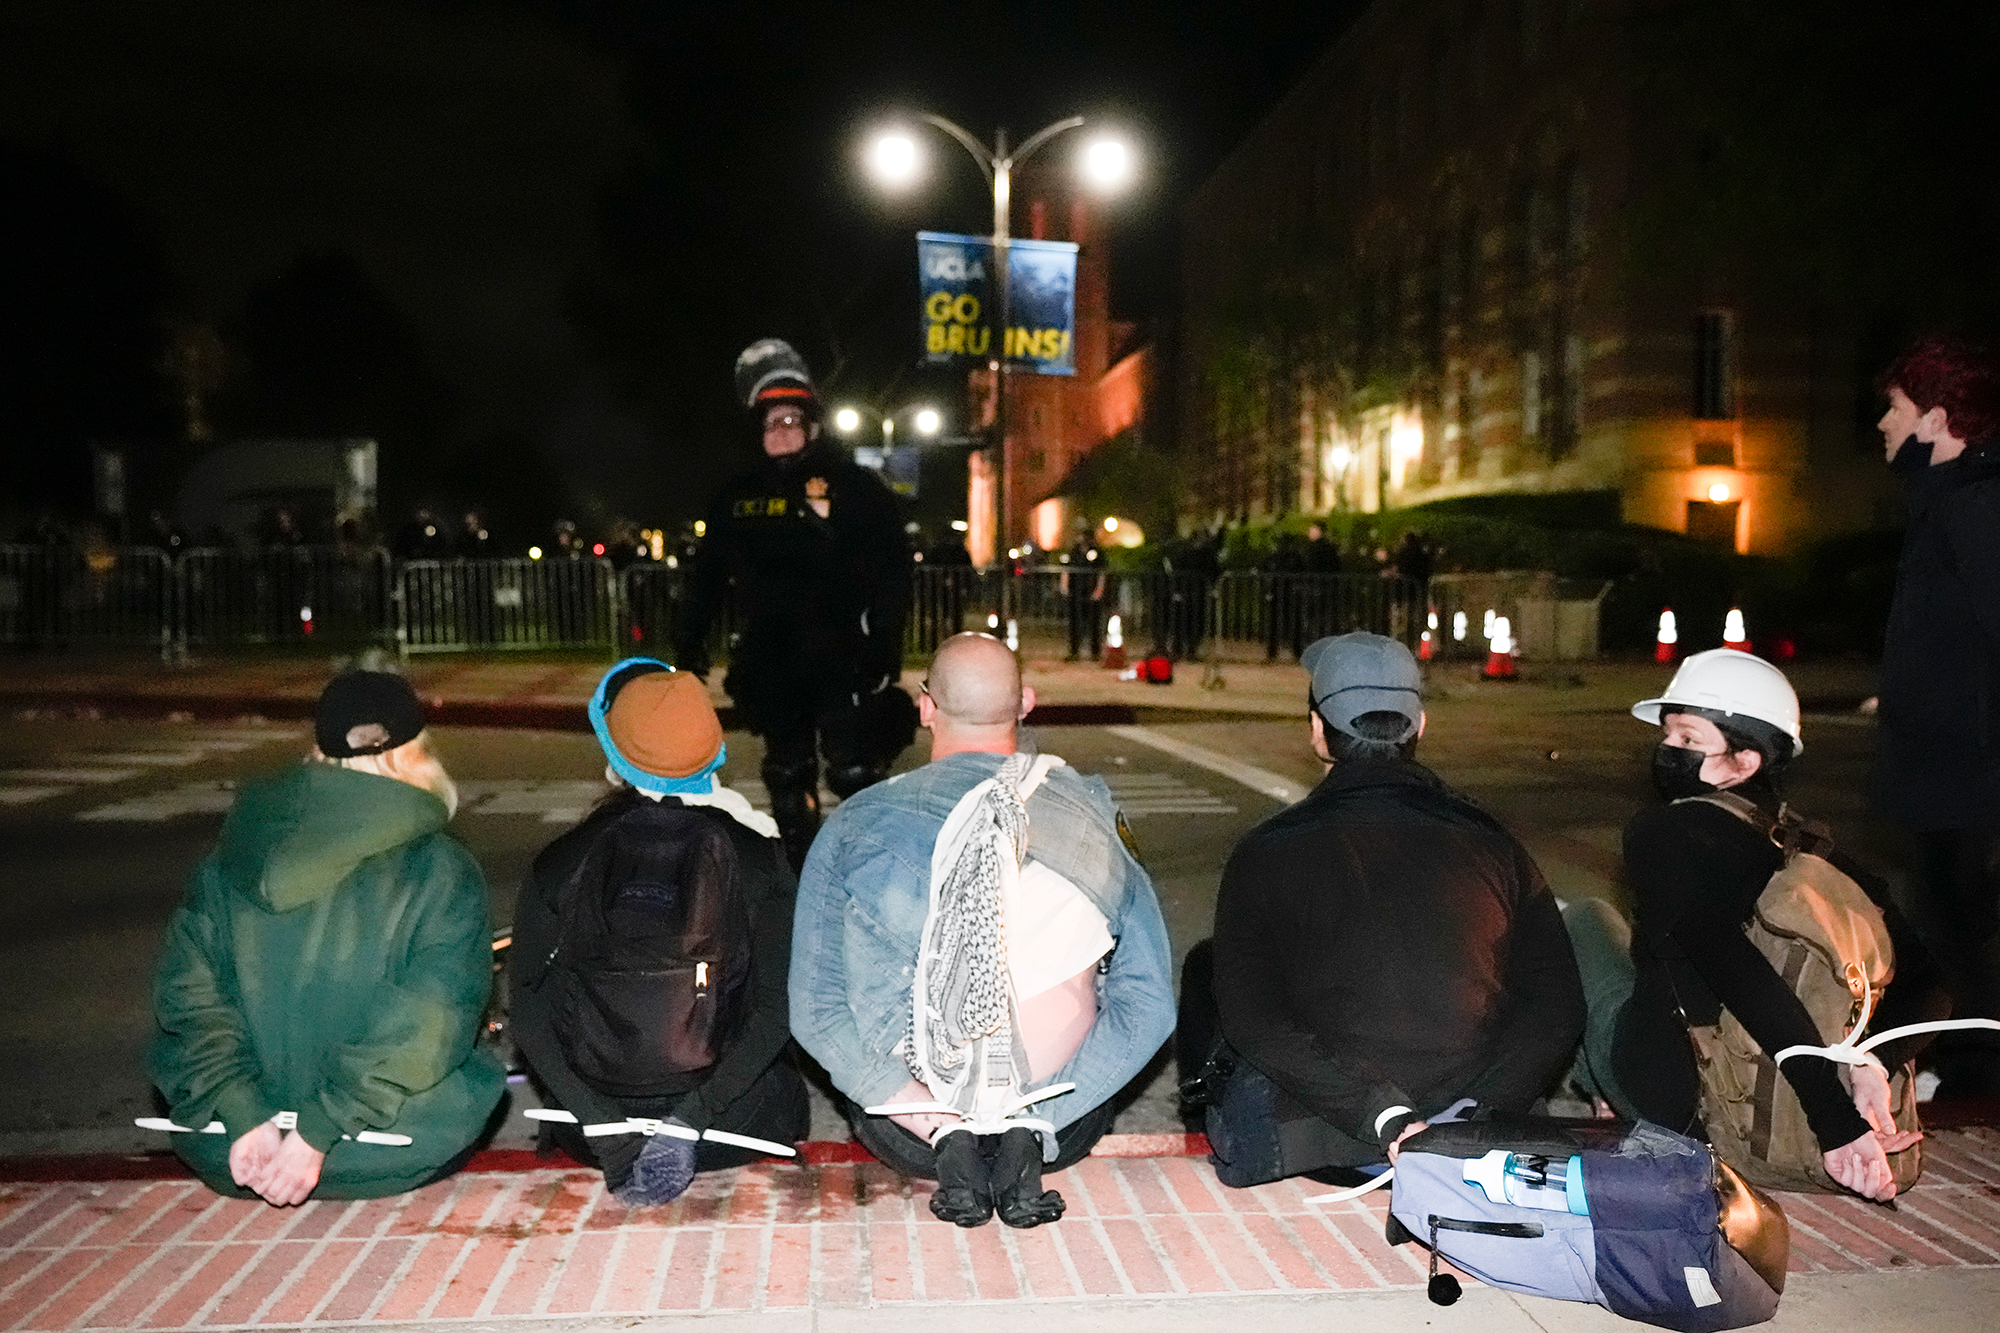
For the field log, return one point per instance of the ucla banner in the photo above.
(960, 301)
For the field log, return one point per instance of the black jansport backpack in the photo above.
(1647, 1223)
(652, 958)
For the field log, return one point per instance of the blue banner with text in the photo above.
(957, 281)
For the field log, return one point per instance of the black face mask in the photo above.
(1677, 772)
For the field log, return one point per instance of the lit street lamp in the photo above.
(896, 161)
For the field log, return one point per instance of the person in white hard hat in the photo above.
(1728, 722)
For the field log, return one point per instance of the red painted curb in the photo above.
(506, 1161)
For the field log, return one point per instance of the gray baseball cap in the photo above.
(1361, 673)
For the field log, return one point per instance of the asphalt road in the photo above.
(100, 823)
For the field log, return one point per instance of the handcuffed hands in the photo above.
(279, 1166)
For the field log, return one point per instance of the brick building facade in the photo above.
(1444, 266)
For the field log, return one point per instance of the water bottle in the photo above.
(1529, 1180)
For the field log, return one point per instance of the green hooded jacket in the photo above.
(331, 957)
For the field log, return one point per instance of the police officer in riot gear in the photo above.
(814, 545)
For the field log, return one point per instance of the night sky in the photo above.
(523, 242)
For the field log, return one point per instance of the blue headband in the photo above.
(694, 784)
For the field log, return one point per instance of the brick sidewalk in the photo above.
(550, 1242)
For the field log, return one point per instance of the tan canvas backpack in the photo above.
(1825, 937)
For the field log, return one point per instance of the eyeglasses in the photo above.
(784, 421)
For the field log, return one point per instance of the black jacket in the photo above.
(1939, 766)
(1387, 943)
(824, 596)
(770, 892)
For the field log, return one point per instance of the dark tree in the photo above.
(85, 289)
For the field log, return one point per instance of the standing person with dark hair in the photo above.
(1939, 768)
(822, 573)
(1383, 949)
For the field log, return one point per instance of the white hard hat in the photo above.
(1734, 684)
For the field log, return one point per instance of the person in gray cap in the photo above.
(1383, 950)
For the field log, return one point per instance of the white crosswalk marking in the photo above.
(189, 798)
(95, 776)
(1139, 794)
(76, 771)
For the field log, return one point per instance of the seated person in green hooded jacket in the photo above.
(323, 980)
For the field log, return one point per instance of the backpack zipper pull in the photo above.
(701, 978)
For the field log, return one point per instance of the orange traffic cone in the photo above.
(1427, 642)
(1114, 644)
(1500, 651)
(1733, 633)
(1665, 650)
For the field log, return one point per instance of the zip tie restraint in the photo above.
(1847, 1051)
(649, 1127)
(284, 1120)
(1010, 1116)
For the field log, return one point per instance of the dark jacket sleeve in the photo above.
(200, 1057)
(1544, 1014)
(1349, 1093)
(1972, 533)
(1691, 868)
(771, 891)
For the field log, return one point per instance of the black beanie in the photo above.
(366, 712)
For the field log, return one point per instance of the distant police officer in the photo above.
(822, 573)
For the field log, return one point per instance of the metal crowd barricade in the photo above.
(945, 600)
(1551, 618)
(654, 598)
(283, 594)
(445, 606)
(54, 596)
(1277, 615)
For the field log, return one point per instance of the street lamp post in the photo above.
(999, 164)
(1106, 160)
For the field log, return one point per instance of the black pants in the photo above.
(906, 1154)
(1957, 911)
(1086, 624)
(774, 1108)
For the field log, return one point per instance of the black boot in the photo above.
(794, 791)
(964, 1195)
(1017, 1181)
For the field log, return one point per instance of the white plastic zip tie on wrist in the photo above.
(1847, 1051)
(284, 1120)
(747, 1141)
(1010, 1116)
(167, 1126)
(1390, 1114)
(1342, 1196)
(650, 1127)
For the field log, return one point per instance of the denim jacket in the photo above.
(863, 897)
